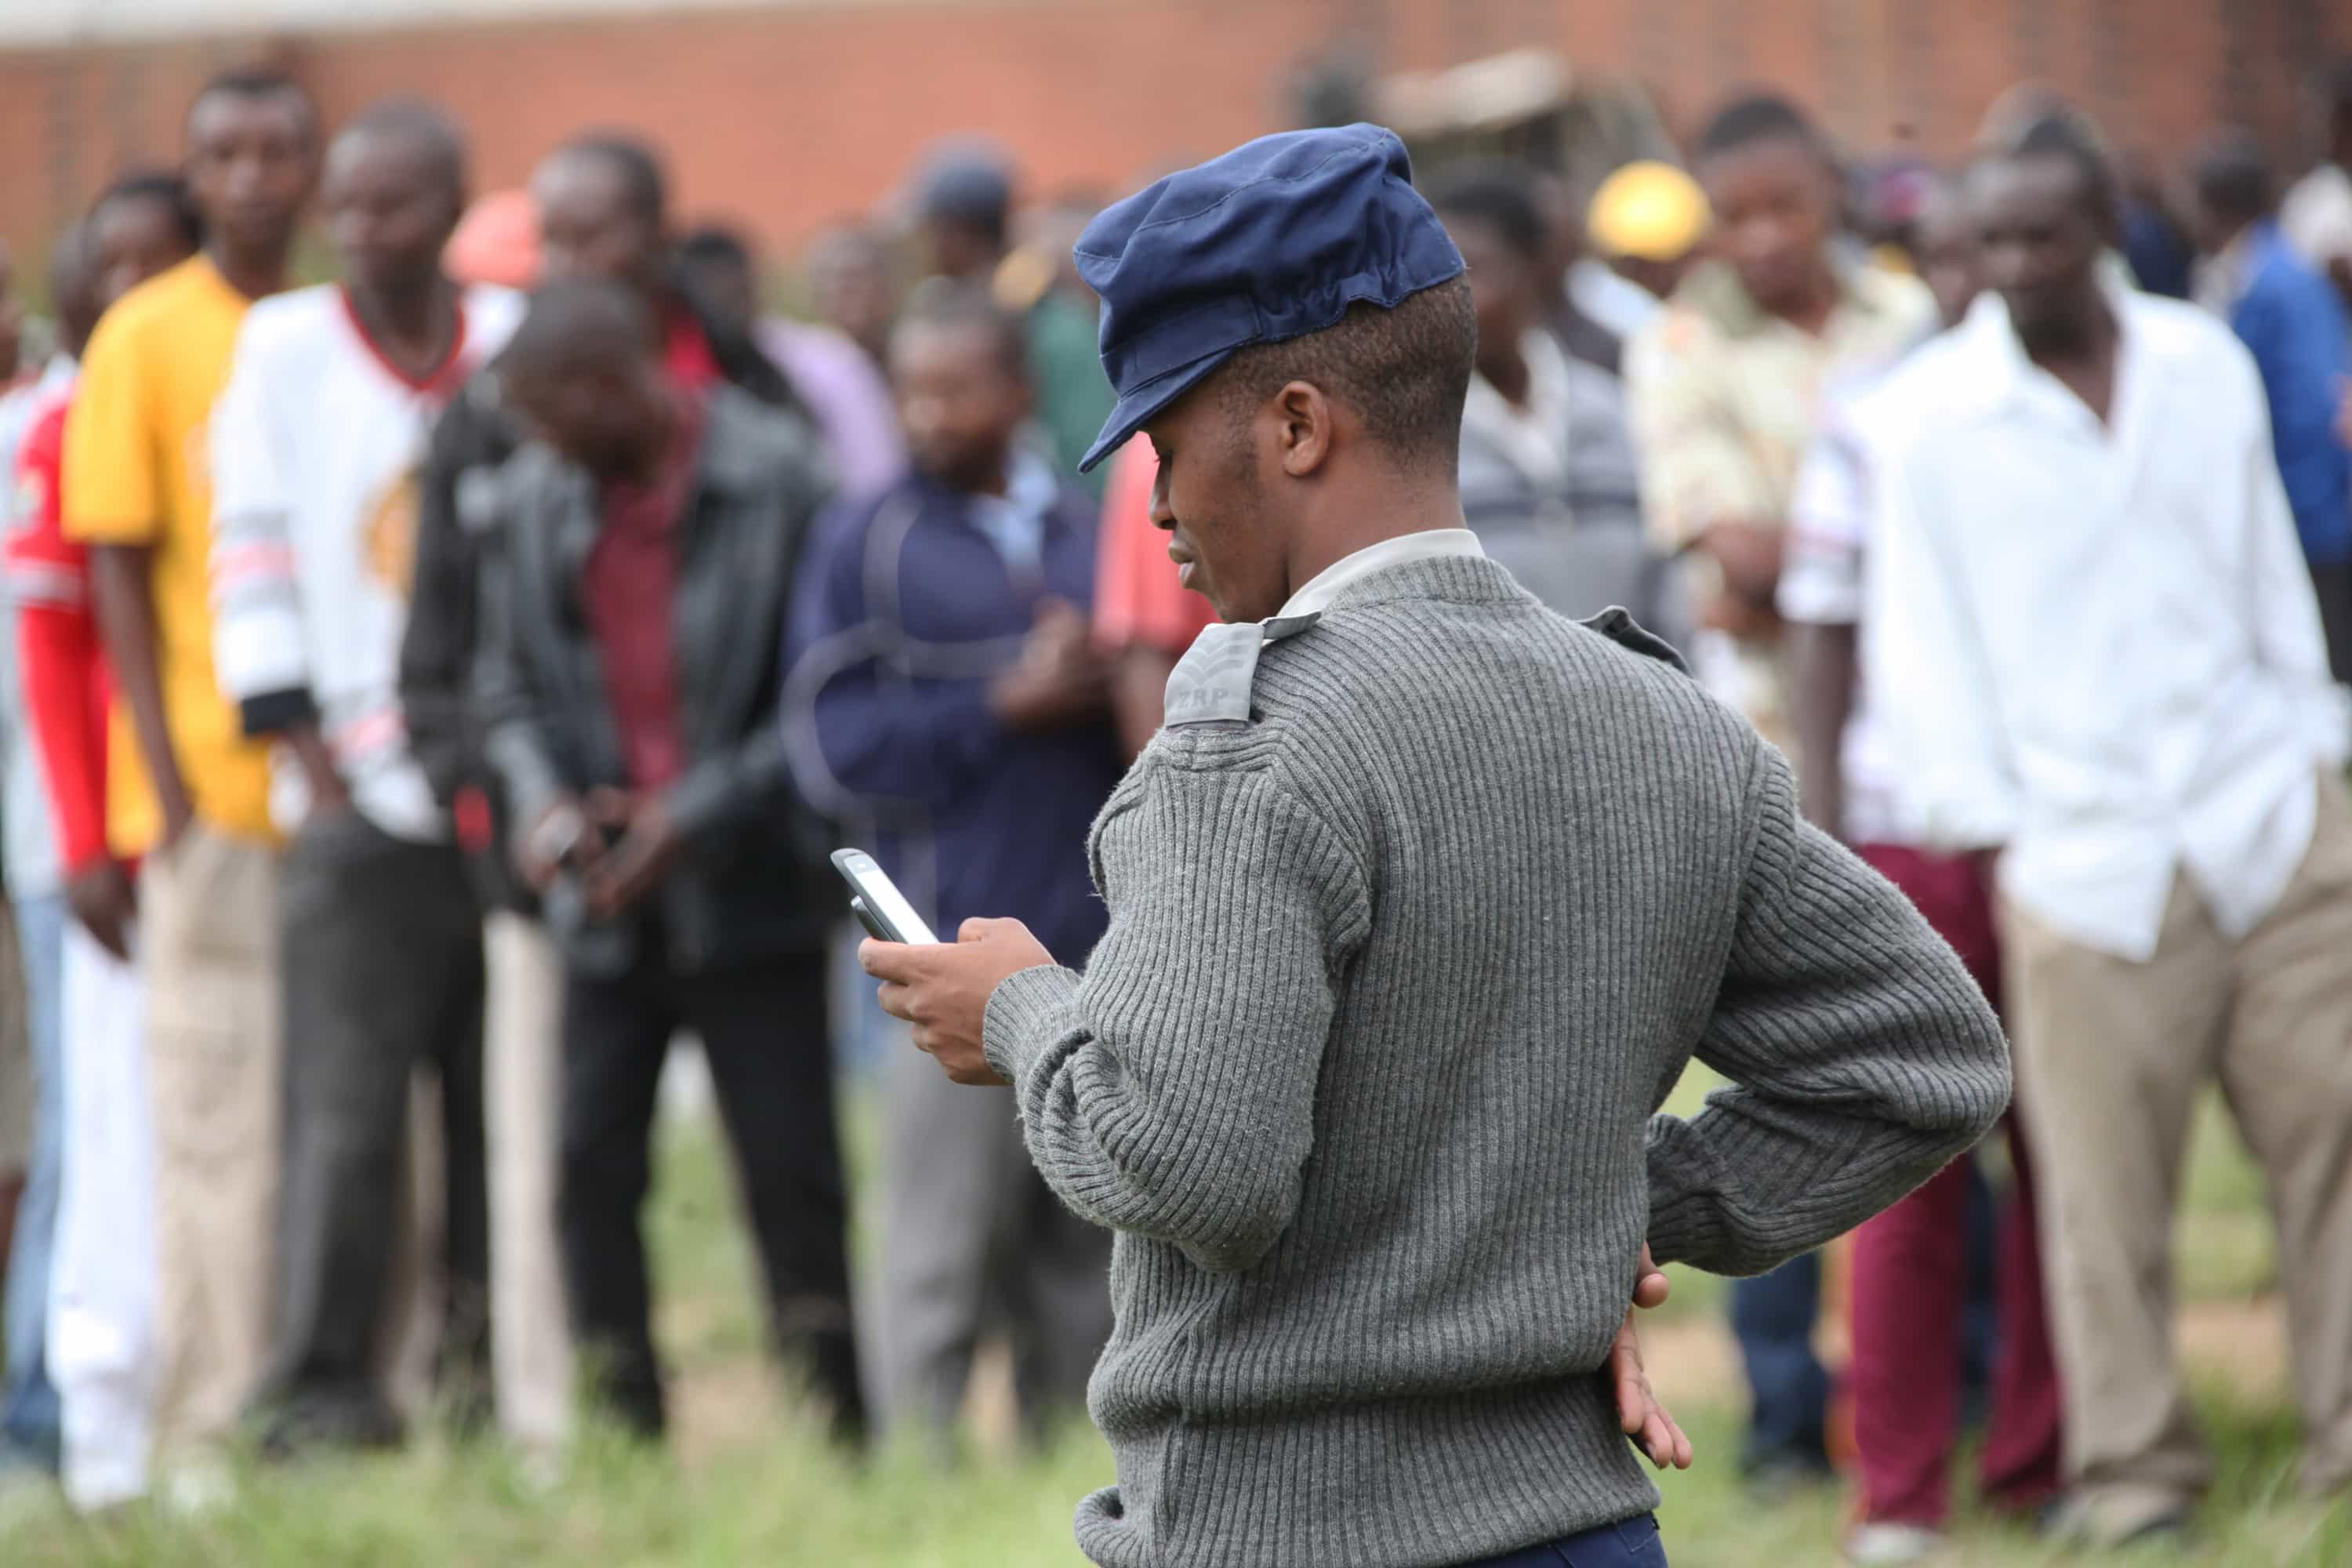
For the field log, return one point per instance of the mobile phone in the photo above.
(878, 905)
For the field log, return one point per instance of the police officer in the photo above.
(1419, 906)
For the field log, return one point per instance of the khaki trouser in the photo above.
(2111, 1057)
(208, 945)
(530, 1336)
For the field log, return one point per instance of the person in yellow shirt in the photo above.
(197, 813)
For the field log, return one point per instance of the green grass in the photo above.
(749, 1483)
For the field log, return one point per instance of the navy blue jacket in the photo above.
(2292, 321)
(903, 613)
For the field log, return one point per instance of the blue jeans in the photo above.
(29, 1417)
(1772, 1317)
(1630, 1543)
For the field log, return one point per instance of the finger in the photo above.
(890, 960)
(980, 928)
(1658, 1438)
(1651, 1291)
(898, 1001)
(1683, 1452)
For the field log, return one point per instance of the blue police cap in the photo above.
(1271, 241)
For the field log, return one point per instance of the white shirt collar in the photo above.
(1426, 545)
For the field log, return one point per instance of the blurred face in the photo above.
(1951, 262)
(132, 240)
(851, 285)
(1212, 499)
(589, 227)
(391, 207)
(959, 400)
(2041, 244)
(251, 162)
(725, 286)
(1776, 207)
(959, 249)
(1502, 287)
(610, 420)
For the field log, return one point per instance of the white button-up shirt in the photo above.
(2097, 644)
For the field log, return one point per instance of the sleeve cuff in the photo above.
(1026, 1014)
(1681, 1228)
(274, 712)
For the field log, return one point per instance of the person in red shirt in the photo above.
(1144, 619)
(143, 225)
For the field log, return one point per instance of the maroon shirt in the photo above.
(628, 589)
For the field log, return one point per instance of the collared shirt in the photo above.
(628, 590)
(1428, 544)
(2095, 643)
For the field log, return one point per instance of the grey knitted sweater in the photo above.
(1364, 1073)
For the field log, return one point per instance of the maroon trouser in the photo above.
(1910, 1278)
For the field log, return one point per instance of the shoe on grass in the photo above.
(1887, 1544)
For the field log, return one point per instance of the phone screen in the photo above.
(882, 895)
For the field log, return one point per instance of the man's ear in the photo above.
(1304, 427)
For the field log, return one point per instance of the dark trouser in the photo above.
(382, 946)
(2332, 585)
(1788, 1393)
(763, 1031)
(1910, 1285)
(1633, 1543)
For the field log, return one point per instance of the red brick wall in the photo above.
(786, 118)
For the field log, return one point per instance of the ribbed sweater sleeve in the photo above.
(1862, 1058)
(1171, 1092)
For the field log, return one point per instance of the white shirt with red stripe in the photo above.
(318, 442)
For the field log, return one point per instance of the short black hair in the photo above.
(163, 187)
(715, 243)
(1495, 192)
(2233, 177)
(942, 302)
(1405, 372)
(422, 125)
(1755, 118)
(579, 324)
(258, 82)
(2068, 135)
(644, 181)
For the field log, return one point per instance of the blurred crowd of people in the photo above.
(429, 692)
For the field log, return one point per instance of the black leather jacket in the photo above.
(437, 655)
(750, 881)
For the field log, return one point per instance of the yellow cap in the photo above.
(1648, 210)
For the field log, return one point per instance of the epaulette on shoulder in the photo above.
(1211, 683)
(1617, 624)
